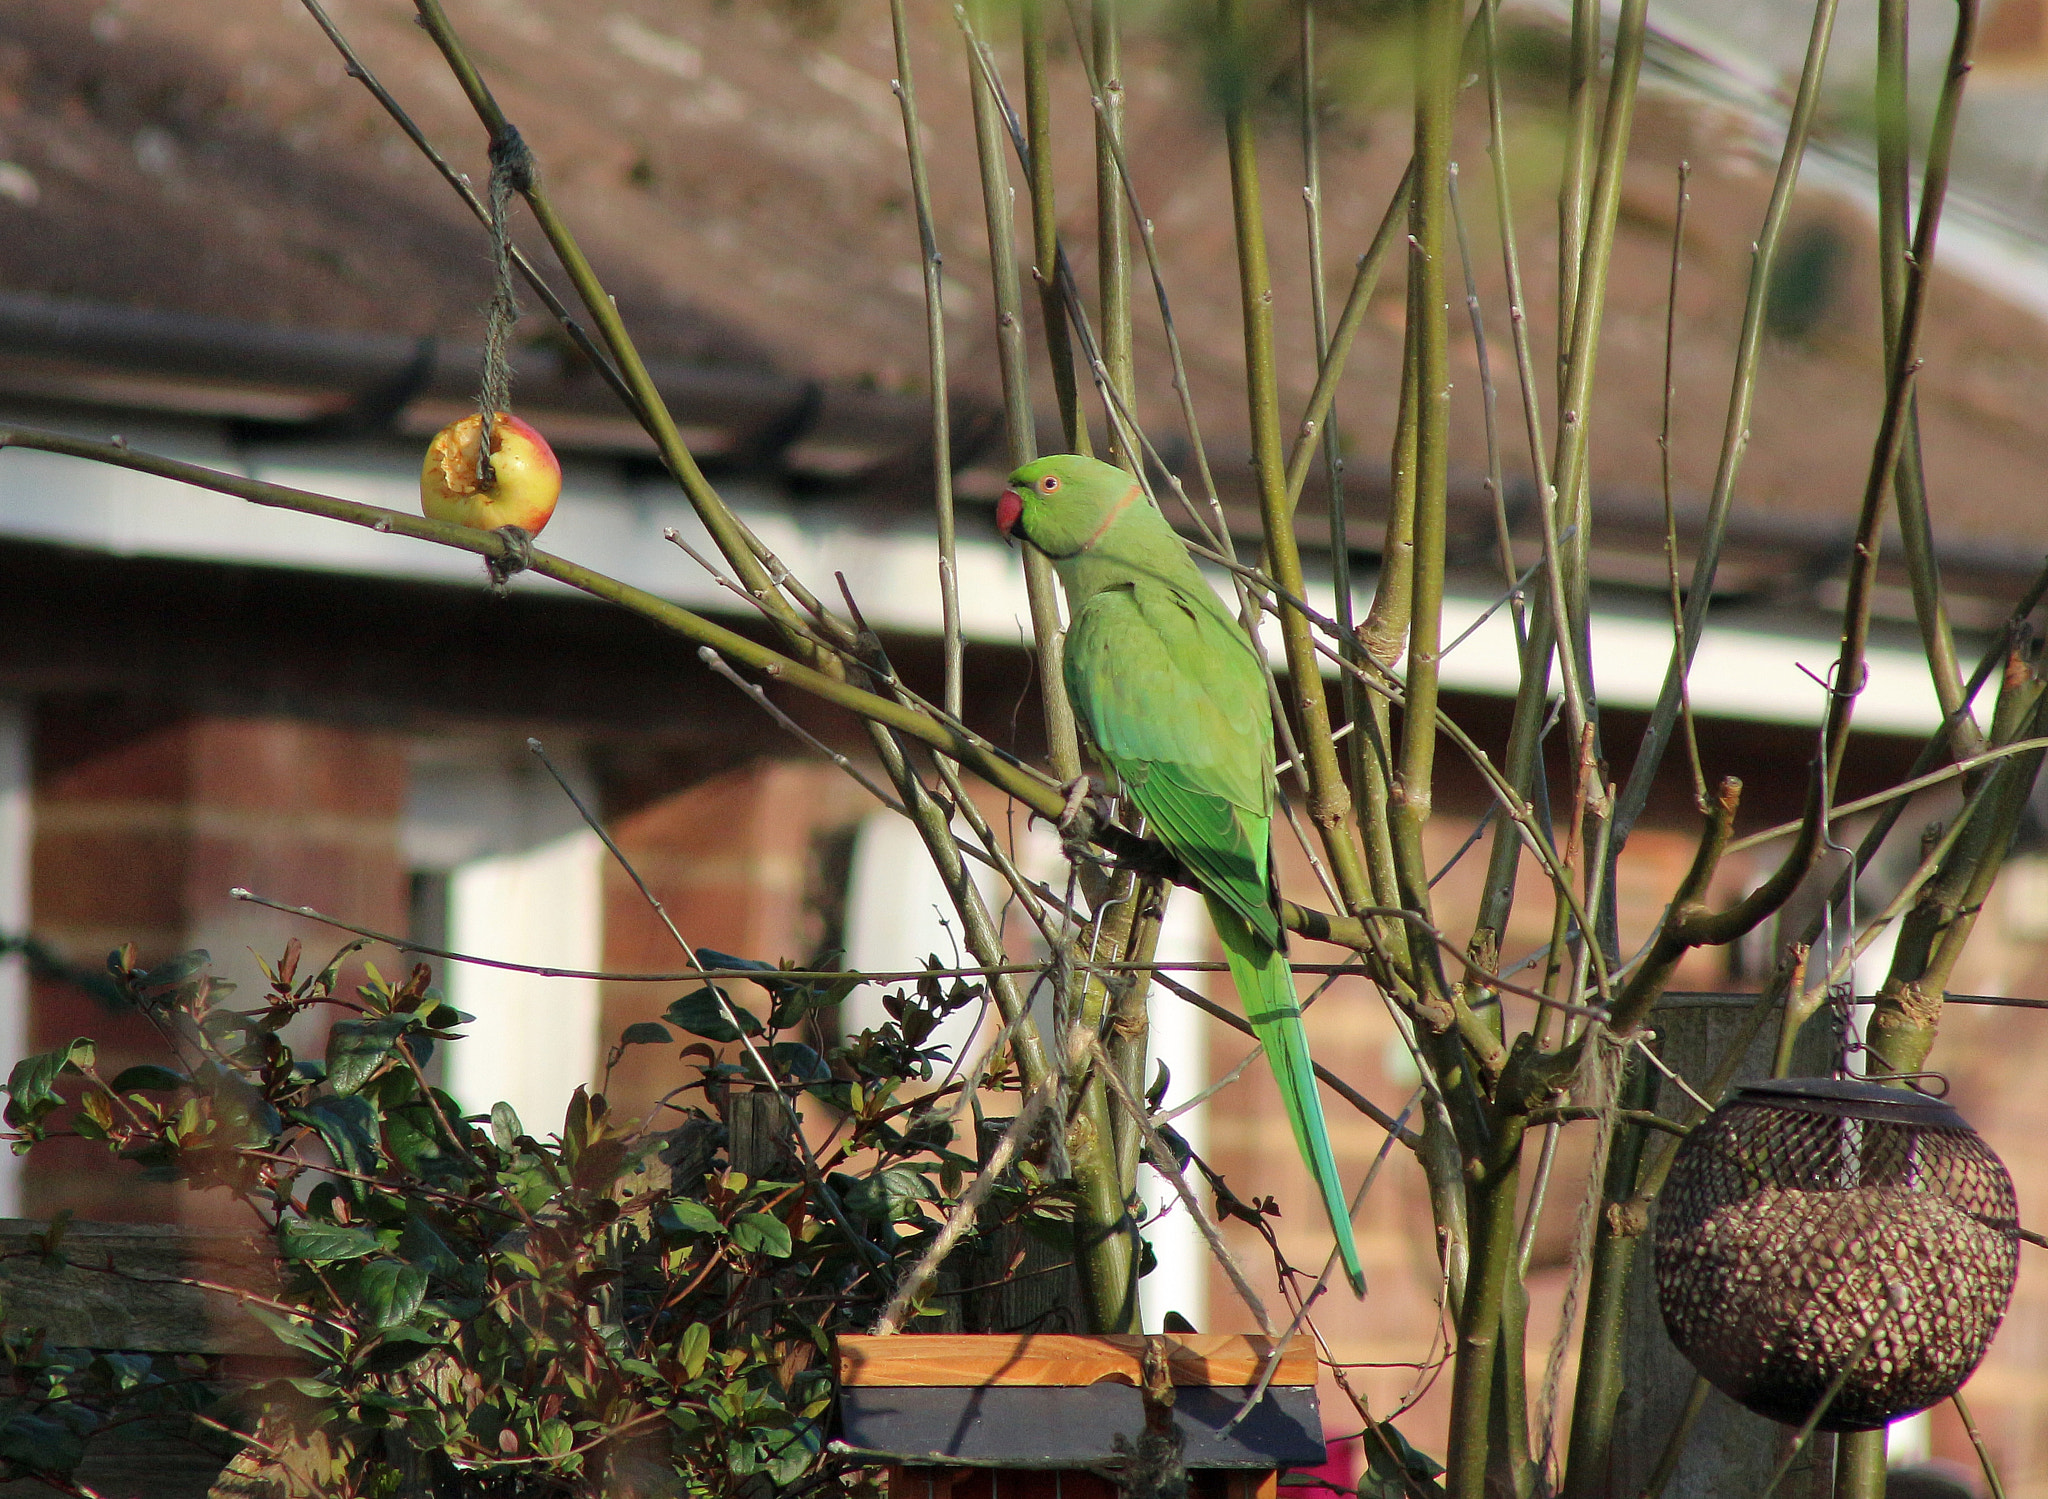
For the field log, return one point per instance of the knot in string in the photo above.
(517, 558)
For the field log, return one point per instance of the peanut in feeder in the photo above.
(1823, 1229)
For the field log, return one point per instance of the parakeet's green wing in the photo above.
(1161, 679)
(1151, 674)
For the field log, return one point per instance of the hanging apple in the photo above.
(526, 477)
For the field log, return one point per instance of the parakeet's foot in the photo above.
(1070, 823)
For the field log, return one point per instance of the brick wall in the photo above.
(143, 822)
(734, 861)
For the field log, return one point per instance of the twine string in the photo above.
(511, 172)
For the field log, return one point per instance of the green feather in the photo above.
(1174, 701)
(1265, 986)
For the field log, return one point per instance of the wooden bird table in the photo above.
(1020, 1416)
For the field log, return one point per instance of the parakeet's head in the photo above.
(1063, 504)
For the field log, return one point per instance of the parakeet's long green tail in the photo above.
(1265, 986)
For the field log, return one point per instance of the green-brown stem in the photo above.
(1614, 1244)
(1385, 630)
(1429, 230)
(1112, 229)
(1860, 1465)
(1582, 78)
(1335, 349)
(979, 929)
(952, 646)
(1907, 1013)
(1045, 229)
(1062, 740)
(1329, 799)
(1909, 484)
(1491, 1192)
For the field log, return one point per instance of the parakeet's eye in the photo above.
(1049, 483)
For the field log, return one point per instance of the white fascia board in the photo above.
(1751, 673)
(617, 526)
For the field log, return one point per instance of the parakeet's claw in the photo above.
(1070, 824)
(518, 555)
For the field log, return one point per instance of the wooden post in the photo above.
(760, 1135)
(1730, 1452)
(1019, 1282)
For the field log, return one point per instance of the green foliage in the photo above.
(477, 1311)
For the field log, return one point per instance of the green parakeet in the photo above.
(1173, 698)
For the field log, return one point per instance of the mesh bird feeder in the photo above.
(1823, 1229)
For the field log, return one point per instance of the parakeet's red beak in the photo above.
(1008, 509)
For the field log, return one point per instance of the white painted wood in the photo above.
(525, 884)
(534, 1039)
(616, 526)
(1179, 1038)
(898, 914)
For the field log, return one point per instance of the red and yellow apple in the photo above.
(526, 477)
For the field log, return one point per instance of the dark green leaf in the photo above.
(694, 1216)
(240, 1105)
(889, 1195)
(390, 1292)
(413, 1139)
(795, 1001)
(790, 1457)
(349, 1128)
(793, 1059)
(645, 1033)
(294, 1332)
(1396, 1469)
(701, 1014)
(761, 1233)
(146, 1077)
(174, 971)
(306, 1239)
(693, 1348)
(124, 1371)
(505, 1127)
(29, 1092)
(41, 1443)
(357, 1048)
(710, 958)
(421, 1244)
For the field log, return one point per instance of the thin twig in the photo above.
(1163, 1161)
(1991, 1481)
(1692, 740)
(1329, 1079)
(578, 334)
(1489, 403)
(1735, 431)
(935, 354)
(962, 1216)
(1895, 1301)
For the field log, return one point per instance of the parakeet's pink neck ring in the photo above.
(1110, 519)
(1008, 509)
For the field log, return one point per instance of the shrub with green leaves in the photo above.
(475, 1309)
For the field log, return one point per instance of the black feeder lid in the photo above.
(1854, 1098)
